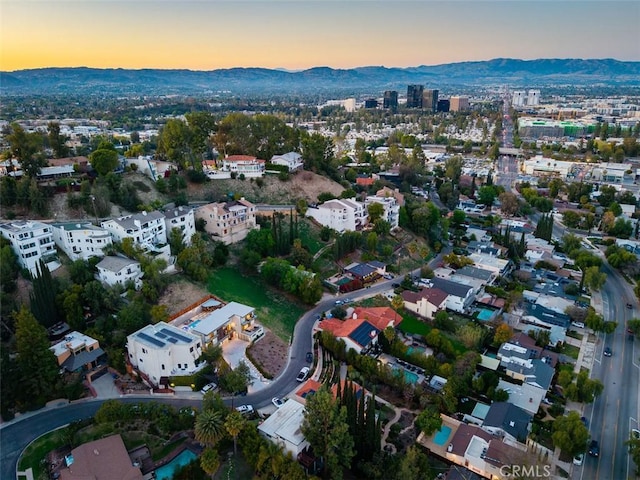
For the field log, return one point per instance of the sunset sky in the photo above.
(211, 34)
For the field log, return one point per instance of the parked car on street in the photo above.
(594, 448)
(302, 376)
(245, 409)
(278, 402)
(578, 459)
(607, 352)
(208, 387)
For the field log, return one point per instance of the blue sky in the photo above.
(300, 34)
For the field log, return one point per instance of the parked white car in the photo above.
(302, 376)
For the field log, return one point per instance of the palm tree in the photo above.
(234, 424)
(210, 461)
(270, 460)
(209, 427)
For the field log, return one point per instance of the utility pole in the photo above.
(95, 212)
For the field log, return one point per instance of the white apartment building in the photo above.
(244, 165)
(292, 160)
(340, 215)
(118, 271)
(30, 241)
(81, 240)
(182, 218)
(162, 350)
(145, 228)
(391, 208)
(228, 222)
(533, 97)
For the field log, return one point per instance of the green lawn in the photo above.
(37, 451)
(413, 325)
(309, 236)
(570, 351)
(273, 309)
(574, 334)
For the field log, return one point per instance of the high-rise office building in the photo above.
(533, 97)
(390, 99)
(414, 96)
(518, 98)
(371, 103)
(459, 104)
(430, 100)
(444, 105)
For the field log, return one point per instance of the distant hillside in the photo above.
(319, 79)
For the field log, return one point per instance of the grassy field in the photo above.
(273, 310)
(37, 451)
(415, 326)
(570, 351)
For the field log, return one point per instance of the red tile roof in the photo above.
(379, 317)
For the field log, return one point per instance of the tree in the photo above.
(27, 149)
(502, 334)
(176, 241)
(570, 434)
(209, 427)
(375, 211)
(56, 140)
(173, 142)
(509, 204)
(594, 278)
(234, 424)
(486, 195)
(36, 363)
(453, 169)
(429, 420)
(325, 428)
(210, 461)
(43, 297)
(105, 159)
(397, 303)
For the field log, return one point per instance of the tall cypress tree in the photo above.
(43, 297)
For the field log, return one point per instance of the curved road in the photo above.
(16, 435)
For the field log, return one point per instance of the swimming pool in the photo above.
(409, 377)
(441, 436)
(166, 471)
(411, 350)
(485, 314)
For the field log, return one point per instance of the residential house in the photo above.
(77, 351)
(283, 427)
(477, 450)
(31, 241)
(522, 364)
(104, 459)
(291, 160)
(391, 212)
(506, 420)
(357, 333)
(526, 396)
(163, 350)
(81, 240)
(478, 234)
(114, 270)
(379, 317)
(246, 165)
(215, 326)
(147, 229)
(340, 215)
(154, 169)
(426, 303)
(459, 296)
(386, 192)
(228, 222)
(499, 266)
(182, 218)
(366, 272)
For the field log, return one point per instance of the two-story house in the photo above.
(163, 350)
(81, 240)
(114, 270)
(459, 296)
(391, 213)
(340, 215)
(228, 222)
(246, 165)
(31, 241)
(426, 303)
(291, 160)
(77, 352)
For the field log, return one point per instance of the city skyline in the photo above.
(307, 33)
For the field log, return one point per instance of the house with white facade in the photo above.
(391, 213)
(246, 165)
(114, 270)
(283, 427)
(459, 296)
(340, 215)
(291, 160)
(182, 218)
(426, 303)
(154, 169)
(147, 229)
(499, 266)
(228, 222)
(214, 326)
(77, 351)
(81, 240)
(162, 350)
(31, 241)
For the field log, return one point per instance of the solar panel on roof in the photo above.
(150, 339)
(160, 335)
(172, 340)
(364, 334)
(175, 335)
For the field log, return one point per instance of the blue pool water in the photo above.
(442, 435)
(485, 314)
(166, 471)
(410, 377)
(411, 350)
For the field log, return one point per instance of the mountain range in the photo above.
(318, 80)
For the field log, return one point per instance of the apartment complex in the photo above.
(390, 99)
(182, 218)
(458, 104)
(145, 228)
(340, 215)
